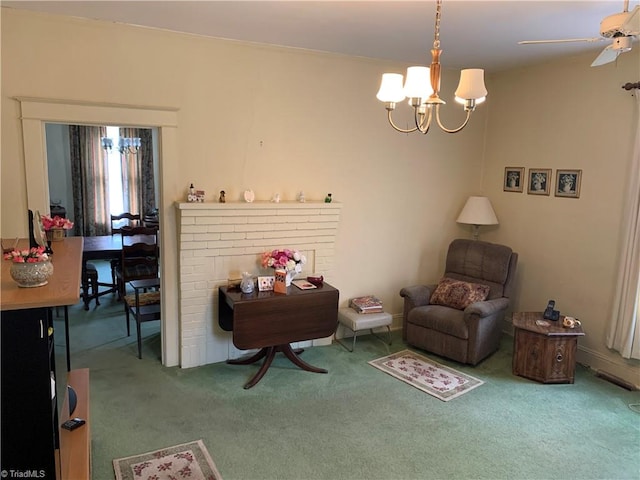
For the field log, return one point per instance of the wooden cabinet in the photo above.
(545, 353)
(29, 408)
(29, 401)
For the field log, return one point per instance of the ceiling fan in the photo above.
(619, 28)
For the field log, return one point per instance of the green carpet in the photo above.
(354, 422)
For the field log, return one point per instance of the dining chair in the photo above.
(118, 222)
(142, 305)
(139, 258)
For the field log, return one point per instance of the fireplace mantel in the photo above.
(219, 240)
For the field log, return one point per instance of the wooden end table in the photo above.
(272, 321)
(543, 353)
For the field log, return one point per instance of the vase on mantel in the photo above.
(291, 274)
(28, 275)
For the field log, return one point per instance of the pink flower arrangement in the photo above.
(56, 222)
(32, 255)
(290, 260)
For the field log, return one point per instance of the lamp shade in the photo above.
(471, 86)
(391, 88)
(418, 83)
(478, 211)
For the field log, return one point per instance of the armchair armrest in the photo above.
(416, 295)
(487, 307)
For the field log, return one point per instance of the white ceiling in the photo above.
(474, 33)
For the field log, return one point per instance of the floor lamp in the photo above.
(477, 211)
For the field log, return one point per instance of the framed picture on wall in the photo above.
(539, 181)
(513, 179)
(568, 183)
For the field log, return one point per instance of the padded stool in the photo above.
(355, 322)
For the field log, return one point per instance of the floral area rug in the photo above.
(423, 373)
(187, 461)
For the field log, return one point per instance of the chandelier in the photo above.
(125, 144)
(423, 85)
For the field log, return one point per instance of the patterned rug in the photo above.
(187, 461)
(423, 373)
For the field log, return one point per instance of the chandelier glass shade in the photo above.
(422, 87)
(125, 144)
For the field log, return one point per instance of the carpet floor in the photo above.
(352, 423)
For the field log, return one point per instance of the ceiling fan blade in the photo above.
(566, 40)
(607, 55)
(631, 26)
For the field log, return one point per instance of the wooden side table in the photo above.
(546, 354)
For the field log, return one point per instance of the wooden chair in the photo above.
(90, 281)
(142, 305)
(130, 220)
(139, 259)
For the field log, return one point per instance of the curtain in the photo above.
(89, 180)
(624, 331)
(138, 182)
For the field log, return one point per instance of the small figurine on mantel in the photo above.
(222, 198)
(191, 196)
(301, 198)
(276, 198)
(328, 198)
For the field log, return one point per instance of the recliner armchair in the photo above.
(464, 333)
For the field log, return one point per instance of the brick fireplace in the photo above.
(219, 240)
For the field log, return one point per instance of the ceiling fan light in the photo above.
(391, 88)
(418, 83)
(471, 86)
(622, 44)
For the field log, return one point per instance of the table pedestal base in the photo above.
(270, 353)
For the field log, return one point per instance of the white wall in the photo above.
(59, 166)
(283, 120)
(566, 115)
(269, 119)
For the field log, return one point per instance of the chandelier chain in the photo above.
(436, 36)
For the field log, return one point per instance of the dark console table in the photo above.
(271, 321)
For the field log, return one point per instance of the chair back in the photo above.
(140, 253)
(482, 262)
(130, 220)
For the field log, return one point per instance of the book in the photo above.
(366, 304)
(303, 284)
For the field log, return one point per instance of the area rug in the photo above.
(423, 373)
(187, 461)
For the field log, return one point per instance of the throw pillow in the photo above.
(458, 294)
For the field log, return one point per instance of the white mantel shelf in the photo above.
(256, 205)
(218, 240)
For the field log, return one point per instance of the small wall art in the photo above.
(539, 181)
(568, 183)
(513, 179)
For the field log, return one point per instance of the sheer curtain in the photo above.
(138, 185)
(624, 331)
(89, 180)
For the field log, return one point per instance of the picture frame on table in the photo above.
(265, 283)
(568, 183)
(539, 181)
(513, 179)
